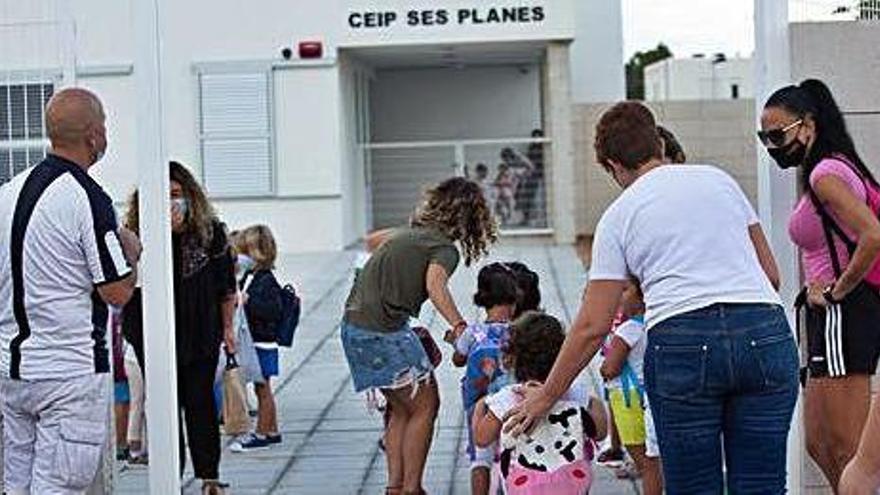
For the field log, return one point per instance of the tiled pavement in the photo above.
(330, 440)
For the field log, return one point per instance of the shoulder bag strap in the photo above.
(829, 225)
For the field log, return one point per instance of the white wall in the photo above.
(308, 131)
(597, 65)
(444, 104)
(845, 56)
(354, 182)
(698, 79)
(299, 226)
(117, 171)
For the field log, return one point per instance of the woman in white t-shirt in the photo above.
(721, 364)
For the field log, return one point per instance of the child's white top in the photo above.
(635, 335)
(558, 440)
(501, 402)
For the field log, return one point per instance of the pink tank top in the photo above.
(805, 224)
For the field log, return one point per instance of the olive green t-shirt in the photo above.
(391, 287)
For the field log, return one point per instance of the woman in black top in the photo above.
(204, 297)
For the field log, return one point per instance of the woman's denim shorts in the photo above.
(388, 360)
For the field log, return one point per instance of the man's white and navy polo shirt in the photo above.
(58, 243)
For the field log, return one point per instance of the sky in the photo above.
(704, 26)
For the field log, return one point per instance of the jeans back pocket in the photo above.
(777, 361)
(680, 370)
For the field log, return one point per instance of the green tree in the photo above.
(635, 70)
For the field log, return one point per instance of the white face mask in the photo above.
(180, 205)
(244, 263)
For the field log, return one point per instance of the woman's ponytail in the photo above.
(832, 134)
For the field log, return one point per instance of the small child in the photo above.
(556, 457)
(623, 369)
(505, 191)
(261, 296)
(478, 349)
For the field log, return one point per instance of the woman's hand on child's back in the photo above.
(524, 417)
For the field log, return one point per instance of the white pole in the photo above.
(156, 274)
(776, 190)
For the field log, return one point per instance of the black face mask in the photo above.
(789, 156)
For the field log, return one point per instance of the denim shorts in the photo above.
(386, 360)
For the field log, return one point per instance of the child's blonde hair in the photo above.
(258, 242)
(236, 241)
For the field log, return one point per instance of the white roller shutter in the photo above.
(236, 132)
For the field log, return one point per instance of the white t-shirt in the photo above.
(682, 231)
(634, 334)
(58, 243)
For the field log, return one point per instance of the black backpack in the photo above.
(291, 307)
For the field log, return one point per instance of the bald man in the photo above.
(63, 259)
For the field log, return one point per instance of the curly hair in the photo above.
(627, 134)
(534, 342)
(201, 216)
(457, 208)
(496, 286)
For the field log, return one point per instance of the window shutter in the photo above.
(236, 134)
(23, 139)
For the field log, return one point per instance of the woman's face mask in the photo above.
(782, 133)
(179, 207)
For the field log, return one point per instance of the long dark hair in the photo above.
(813, 98)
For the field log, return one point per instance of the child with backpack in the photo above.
(556, 457)
(478, 350)
(623, 370)
(264, 307)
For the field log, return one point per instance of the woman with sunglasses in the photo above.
(721, 362)
(838, 234)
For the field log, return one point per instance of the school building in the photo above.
(327, 119)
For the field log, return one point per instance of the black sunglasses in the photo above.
(776, 137)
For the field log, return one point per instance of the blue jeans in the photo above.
(723, 377)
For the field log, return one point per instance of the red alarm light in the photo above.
(311, 49)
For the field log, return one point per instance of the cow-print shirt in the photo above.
(563, 438)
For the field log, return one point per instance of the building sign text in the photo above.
(443, 17)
